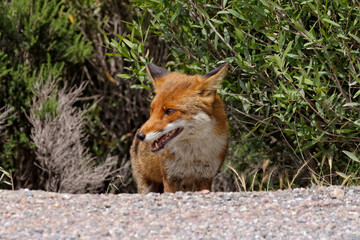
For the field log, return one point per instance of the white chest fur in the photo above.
(198, 150)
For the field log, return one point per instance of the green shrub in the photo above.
(37, 39)
(293, 88)
(64, 40)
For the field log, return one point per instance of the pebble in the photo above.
(314, 213)
(337, 193)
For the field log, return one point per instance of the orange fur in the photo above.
(183, 144)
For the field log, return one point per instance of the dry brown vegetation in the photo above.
(4, 115)
(64, 162)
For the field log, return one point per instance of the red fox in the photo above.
(183, 144)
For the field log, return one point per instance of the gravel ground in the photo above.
(316, 213)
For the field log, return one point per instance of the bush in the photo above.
(119, 109)
(36, 38)
(63, 39)
(5, 177)
(65, 165)
(292, 91)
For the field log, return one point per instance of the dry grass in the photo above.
(65, 164)
(4, 115)
(5, 177)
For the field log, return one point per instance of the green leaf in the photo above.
(222, 12)
(309, 44)
(331, 22)
(357, 94)
(308, 145)
(355, 37)
(173, 17)
(352, 156)
(308, 81)
(344, 131)
(258, 124)
(343, 36)
(224, 3)
(203, 12)
(279, 96)
(129, 43)
(125, 76)
(294, 56)
(226, 35)
(140, 86)
(216, 21)
(236, 13)
(105, 37)
(278, 61)
(288, 48)
(351, 104)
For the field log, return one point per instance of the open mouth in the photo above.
(160, 143)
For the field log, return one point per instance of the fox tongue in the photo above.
(161, 140)
(160, 143)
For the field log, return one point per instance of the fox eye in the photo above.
(169, 112)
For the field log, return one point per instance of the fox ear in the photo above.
(155, 73)
(212, 80)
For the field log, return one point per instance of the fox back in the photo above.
(183, 144)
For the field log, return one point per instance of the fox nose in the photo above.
(141, 136)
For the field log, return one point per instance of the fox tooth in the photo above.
(156, 145)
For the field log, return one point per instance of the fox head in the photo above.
(184, 107)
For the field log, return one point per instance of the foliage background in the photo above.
(291, 93)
